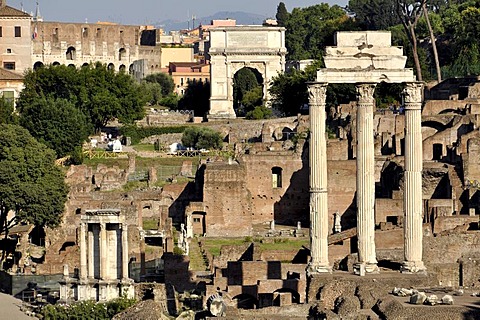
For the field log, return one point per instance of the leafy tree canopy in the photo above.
(201, 138)
(282, 14)
(164, 80)
(196, 98)
(57, 123)
(30, 184)
(310, 29)
(101, 94)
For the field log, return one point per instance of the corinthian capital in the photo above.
(365, 92)
(317, 93)
(413, 92)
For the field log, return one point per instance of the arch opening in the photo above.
(247, 91)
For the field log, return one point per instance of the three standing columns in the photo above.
(318, 180)
(367, 261)
(412, 203)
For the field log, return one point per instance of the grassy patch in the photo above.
(150, 224)
(144, 147)
(214, 246)
(135, 185)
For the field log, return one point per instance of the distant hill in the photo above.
(241, 17)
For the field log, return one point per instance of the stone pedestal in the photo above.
(318, 180)
(367, 262)
(413, 203)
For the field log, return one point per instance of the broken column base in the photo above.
(363, 268)
(315, 269)
(413, 267)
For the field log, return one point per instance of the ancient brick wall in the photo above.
(227, 200)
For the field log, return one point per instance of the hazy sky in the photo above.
(151, 11)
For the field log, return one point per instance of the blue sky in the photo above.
(151, 11)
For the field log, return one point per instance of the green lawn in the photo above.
(214, 245)
(144, 147)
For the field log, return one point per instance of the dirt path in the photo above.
(10, 308)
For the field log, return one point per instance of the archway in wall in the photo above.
(247, 90)
(122, 53)
(131, 69)
(85, 65)
(56, 63)
(122, 68)
(37, 65)
(71, 65)
(111, 66)
(71, 53)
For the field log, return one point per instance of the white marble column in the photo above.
(412, 199)
(83, 251)
(367, 261)
(103, 251)
(91, 252)
(124, 251)
(318, 180)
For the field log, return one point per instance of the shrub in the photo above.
(258, 113)
(201, 138)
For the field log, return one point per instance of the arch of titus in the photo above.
(233, 48)
(365, 58)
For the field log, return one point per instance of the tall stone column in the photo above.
(412, 200)
(83, 251)
(91, 252)
(367, 261)
(318, 180)
(124, 251)
(103, 251)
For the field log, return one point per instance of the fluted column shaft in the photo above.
(103, 251)
(367, 261)
(413, 206)
(91, 252)
(124, 251)
(83, 251)
(318, 180)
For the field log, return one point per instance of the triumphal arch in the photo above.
(232, 48)
(366, 58)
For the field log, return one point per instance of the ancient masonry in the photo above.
(103, 241)
(365, 59)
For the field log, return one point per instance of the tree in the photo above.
(282, 14)
(31, 186)
(201, 138)
(409, 12)
(196, 98)
(57, 123)
(164, 80)
(374, 14)
(310, 29)
(244, 80)
(101, 94)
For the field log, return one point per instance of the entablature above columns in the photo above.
(365, 75)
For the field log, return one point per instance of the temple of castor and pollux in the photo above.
(372, 200)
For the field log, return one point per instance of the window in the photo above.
(8, 95)
(196, 219)
(99, 32)
(18, 32)
(9, 50)
(181, 81)
(1, 32)
(85, 32)
(276, 177)
(9, 65)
